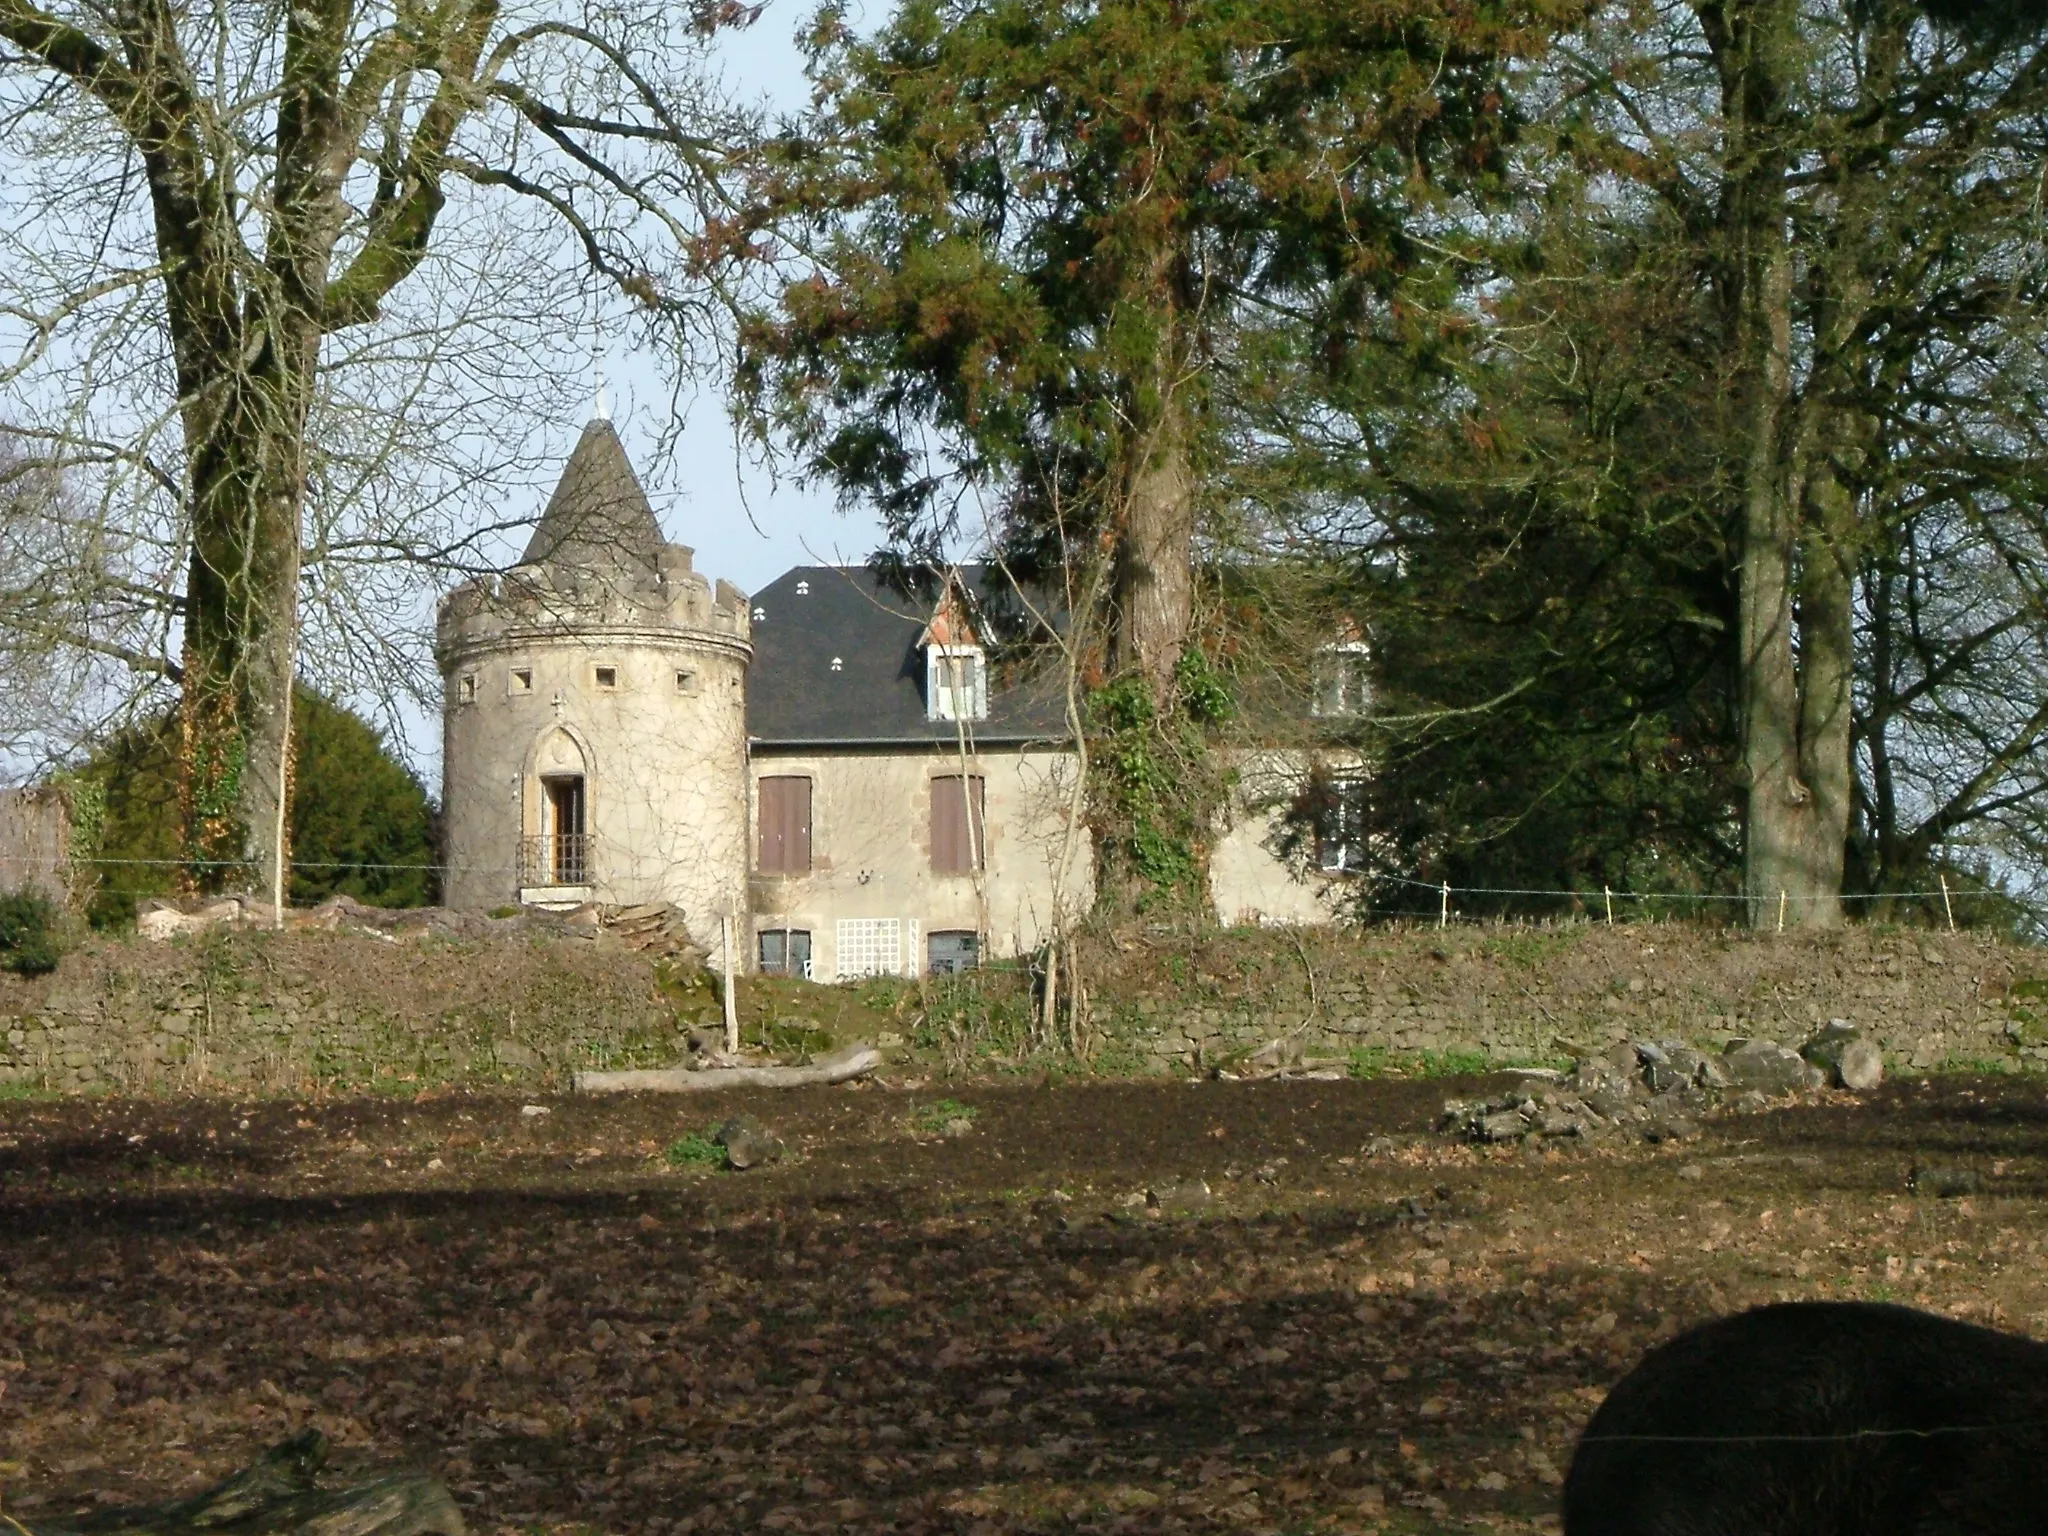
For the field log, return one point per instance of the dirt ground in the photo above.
(900, 1329)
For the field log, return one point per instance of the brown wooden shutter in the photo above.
(956, 834)
(785, 814)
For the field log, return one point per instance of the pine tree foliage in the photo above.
(360, 825)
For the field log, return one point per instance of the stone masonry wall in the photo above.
(347, 1011)
(1520, 994)
(296, 1011)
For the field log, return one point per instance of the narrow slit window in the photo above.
(466, 691)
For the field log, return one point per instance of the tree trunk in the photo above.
(840, 1067)
(248, 489)
(1155, 581)
(1793, 689)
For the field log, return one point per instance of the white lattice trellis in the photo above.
(875, 946)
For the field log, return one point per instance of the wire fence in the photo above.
(1950, 906)
(1441, 903)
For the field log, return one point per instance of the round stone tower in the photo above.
(594, 729)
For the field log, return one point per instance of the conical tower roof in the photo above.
(599, 517)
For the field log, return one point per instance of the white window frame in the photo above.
(1343, 854)
(1348, 666)
(943, 702)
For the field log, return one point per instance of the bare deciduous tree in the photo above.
(257, 260)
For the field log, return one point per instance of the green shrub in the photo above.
(933, 1119)
(28, 933)
(696, 1150)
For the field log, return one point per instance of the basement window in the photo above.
(948, 952)
(785, 952)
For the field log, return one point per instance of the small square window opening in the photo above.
(466, 691)
(521, 680)
(607, 677)
(686, 681)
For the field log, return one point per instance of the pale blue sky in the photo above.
(744, 526)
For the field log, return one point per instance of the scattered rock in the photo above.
(1671, 1128)
(1504, 1125)
(1944, 1183)
(534, 1111)
(1612, 1104)
(1769, 1068)
(1692, 1173)
(747, 1145)
(1193, 1195)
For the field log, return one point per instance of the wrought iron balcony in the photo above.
(557, 858)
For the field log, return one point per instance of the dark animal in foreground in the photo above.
(1820, 1419)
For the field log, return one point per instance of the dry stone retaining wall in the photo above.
(347, 1010)
(1521, 994)
(293, 1011)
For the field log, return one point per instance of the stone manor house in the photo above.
(831, 763)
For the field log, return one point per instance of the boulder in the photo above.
(1612, 1104)
(1504, 1125)
(1767, 1067)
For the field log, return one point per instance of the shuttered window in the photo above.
(785, 826)
(957, 829)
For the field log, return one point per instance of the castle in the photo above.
(830, 764)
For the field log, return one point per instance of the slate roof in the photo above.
(872, 624)
(599, 518)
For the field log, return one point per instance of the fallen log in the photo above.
(839, 1067)
(278, 1495)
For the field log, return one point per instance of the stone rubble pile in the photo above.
(656, 928)
(1658, 1089)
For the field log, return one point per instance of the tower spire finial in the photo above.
(603, 409)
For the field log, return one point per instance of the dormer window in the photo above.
(955, 670)
(1340, 677)
(956, 682)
